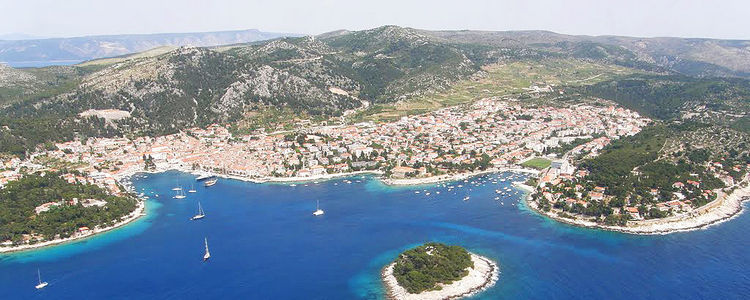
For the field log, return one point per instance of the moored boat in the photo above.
(200, 214)
(318, 211)
(207, 255)
(210, 182)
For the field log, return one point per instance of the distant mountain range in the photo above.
(67, 51)
(689, 56)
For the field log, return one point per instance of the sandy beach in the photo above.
(484, 275)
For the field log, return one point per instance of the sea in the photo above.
(266, 244)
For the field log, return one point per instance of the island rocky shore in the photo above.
(483, 275)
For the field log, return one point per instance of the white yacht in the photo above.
(192, 188)
(200, 214)
(208, 254)
(204, 177)
(41, 284)
(318, 211)
(211, 182)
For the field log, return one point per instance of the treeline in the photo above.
(20, 135)
(424, 267)
(19, 198)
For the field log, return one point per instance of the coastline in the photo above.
(323, 177)
(482, 276)
(124, 179)
(388, 181)
(452, 177)
(138, 212)
(718, 211)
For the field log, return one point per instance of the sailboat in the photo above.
(41, 284)
(192, 188)
(208, 254)
(200, 214)
(318, 211)
(180, 195)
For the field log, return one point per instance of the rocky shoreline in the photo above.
(482, 276)
(723, 209)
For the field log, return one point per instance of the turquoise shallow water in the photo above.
(265, 244)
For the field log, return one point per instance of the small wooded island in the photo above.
(438, 271)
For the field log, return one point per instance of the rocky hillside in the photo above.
(189, 86)
(325, 76)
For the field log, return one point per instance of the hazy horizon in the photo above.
(657, 18)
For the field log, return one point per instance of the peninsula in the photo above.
(52, 207)
(668, 178)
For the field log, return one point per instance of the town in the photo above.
(490, 133)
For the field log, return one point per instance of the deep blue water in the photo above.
(265, 244)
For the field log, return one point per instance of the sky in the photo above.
(727, 19)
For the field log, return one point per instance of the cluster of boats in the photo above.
(209, 180)
(450, 187)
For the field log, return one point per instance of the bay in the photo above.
(265, 244)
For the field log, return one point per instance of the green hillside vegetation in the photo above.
(641, 171)
(424, 267)
(506, 79)
(712, 100)
(39, 83)
(19, 198)
(661, 155)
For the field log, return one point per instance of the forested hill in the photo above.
(723, 101)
